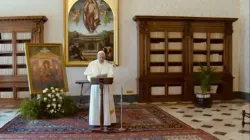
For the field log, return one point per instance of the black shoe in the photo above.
(94, 127)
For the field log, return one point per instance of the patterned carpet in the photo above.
(135, 118)
(189, 134)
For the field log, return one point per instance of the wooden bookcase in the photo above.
(14, 33)
(170, 50)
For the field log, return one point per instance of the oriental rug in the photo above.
(188, 134)
(135, 118)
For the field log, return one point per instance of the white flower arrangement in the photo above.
(53, 103)
(52, 100)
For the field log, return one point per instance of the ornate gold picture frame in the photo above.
(45, 65)
(90, 26)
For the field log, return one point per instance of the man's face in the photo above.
(101, 57)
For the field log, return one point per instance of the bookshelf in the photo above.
(14, 33)
(165, 52)
(170, 49)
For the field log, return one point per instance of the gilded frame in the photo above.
(68, 4)
(40, 77)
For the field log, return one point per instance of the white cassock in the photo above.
(94, 69)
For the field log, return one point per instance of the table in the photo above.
(81, 82)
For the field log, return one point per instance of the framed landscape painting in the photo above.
(45, 65)
(90, 26)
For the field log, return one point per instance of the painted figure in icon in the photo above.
(91, 16)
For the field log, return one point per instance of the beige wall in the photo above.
(126, 72)
(244, 47)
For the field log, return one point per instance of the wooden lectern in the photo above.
(101, 81)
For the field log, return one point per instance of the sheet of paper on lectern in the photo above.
(102, 75)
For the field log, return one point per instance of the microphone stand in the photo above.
(121, 129)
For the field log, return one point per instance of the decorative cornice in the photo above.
(24, 18)
(162, 18)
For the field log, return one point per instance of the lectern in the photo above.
(101, 81)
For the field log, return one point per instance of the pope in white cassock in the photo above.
(96, 68)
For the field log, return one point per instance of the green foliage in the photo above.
(69, 105)
(53, 103)
(206, 76)
(106, 18)
(30, 109)
(101, 1)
